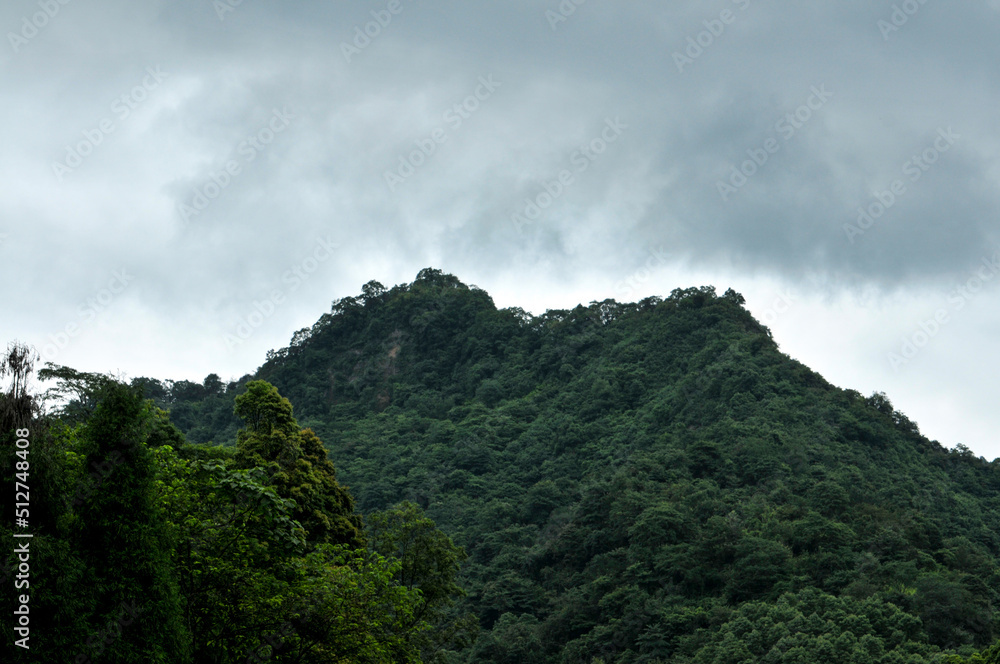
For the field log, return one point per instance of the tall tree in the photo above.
(58, 609)
(119, 534)
(297, 464)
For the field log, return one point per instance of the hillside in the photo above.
(640, 482)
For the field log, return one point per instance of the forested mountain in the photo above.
(646, 482)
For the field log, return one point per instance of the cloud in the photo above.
(367, 90)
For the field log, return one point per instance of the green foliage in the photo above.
(643, 482)
(989, 656)
(350, 608)
(429, 564)
(624, 474)
(78, 392)
(810, 626)
(297, 465)
(232, 539)
(151, 550)
(264, 410)
(118, 533)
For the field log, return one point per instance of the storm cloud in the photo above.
(836, 162)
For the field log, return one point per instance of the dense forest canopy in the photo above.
(421, 476)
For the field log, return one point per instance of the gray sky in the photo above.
(185, 184)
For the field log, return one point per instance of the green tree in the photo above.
(297, 465)
(60, 607)
(234, 544)
(429, 563)
(119, 533)
(348, 607)
(263, 409)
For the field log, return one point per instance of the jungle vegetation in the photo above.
(617, 483)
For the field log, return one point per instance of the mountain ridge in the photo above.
(666, 447)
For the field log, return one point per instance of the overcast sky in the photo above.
(185, 183)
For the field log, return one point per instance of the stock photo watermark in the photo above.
(959, 298)
(628, 286)
(87, 313)
(562, 12)
(223, 7)
(900, 16)
(292, 279)
(700, 42)
(31, 26)
(787, 128)
(249, 148)
(913, 168)
(782, 304)
(454, 117)
(122, 107)
(581, 159)
(364, 35)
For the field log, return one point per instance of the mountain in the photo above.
(640, 482)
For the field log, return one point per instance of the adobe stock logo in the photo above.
(929, 328)
(122, 107)
(914, 168)
(581, 159)
(249, 149)
(714, 29)
(223, 7)
(566, 9)
(454, 116)
(900, 16)
(293, 278)
(31, 27)
(372, 29)
(87, 313)
(787, 127)
(657, 258)
(782, 304)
